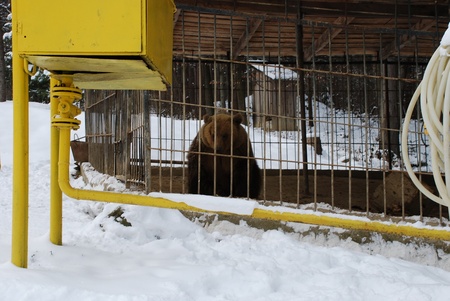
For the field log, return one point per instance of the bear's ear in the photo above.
(207, 118)
(237, 118)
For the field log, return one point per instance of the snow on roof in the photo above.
(276, 71)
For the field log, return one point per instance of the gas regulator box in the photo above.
(102, 44)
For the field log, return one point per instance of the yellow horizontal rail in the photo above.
(262, 213)
(353, 224)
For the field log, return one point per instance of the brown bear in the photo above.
(220, 148)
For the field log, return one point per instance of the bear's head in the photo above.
(220, 129)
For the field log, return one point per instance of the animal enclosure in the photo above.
(322, 87)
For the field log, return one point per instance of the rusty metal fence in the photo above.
(324, 127)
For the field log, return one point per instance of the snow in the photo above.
(275, 150)
(277, 72)
(220, 204)
(165, 256)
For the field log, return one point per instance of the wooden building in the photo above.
(275, 94)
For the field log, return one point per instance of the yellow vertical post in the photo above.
(55, 191)
(19, 248)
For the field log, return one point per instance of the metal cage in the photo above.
(322, 96)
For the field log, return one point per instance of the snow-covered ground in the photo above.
(165, 256)
(348, 140)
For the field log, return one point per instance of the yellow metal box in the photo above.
(103, 44)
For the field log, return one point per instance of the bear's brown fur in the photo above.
(221, 137)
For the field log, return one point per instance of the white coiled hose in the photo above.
(434, 93)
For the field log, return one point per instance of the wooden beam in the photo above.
(326, 37)
(246, 37)
(391, 47)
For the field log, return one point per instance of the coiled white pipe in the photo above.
(434, 93)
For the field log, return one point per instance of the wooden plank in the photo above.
(85, 64)
(277, 35)
(405, 39)
(327, 37)
(246, 37)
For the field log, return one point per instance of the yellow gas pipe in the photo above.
(55, 191)
(103, 196)
(19, 247)
(19, 244)
(260, 212)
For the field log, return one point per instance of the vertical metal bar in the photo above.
(124, 97)
(199, 101)
(436, 41)
(383, 86)
(172, 140)
(313, 103)
(142, 175)
(104, 137)
(332, 116)
(300, 66)
(366, 124)
(128, 107)
(160, 135)
(279, 117)
(263, 109)
(215, 60)
(297, 116)
(349, 123)
(183, 125)
(248, 114)
(107, 138)
(215, 110)
(231, 104)
(147, 143)
(115, 124)
(399, 99)
(418, 130)
(55, 191)
(19, 247)
(136, 133)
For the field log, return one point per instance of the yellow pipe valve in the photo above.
(66, 96)
(67, 109)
